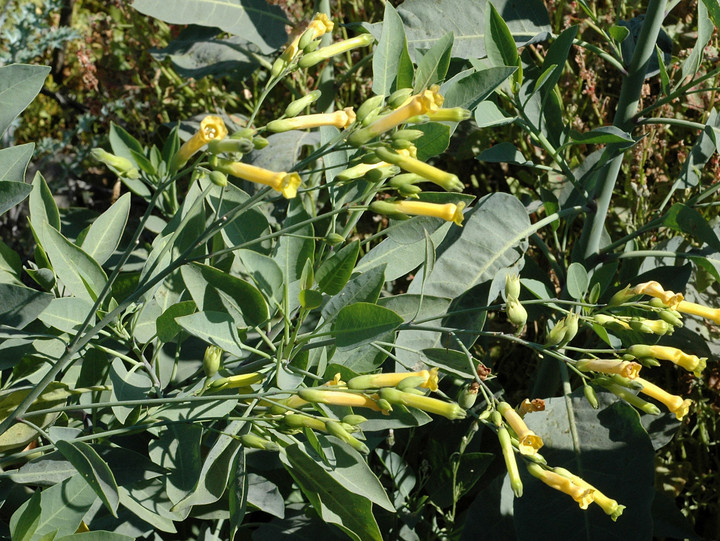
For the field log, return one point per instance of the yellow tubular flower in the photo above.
(691, 363)
(308, 60)
(338, 398)
(674, 403)
(425, 102)
(375, 381)
(211, 128)
(654, 289)
(339, 119)
(582, 495)
(445, 180)
(627, 369)
(285, 183)
(529, 442)
(610, 506)
(713, 314)
(448, 211)
(241, 380)
(358, 171)
(450, 410)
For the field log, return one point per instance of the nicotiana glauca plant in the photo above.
(296, 323)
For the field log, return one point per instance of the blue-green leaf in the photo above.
(335, 271)
(12, 193)
(434, 64)
(388, 52)
(362, 323)
(106, 230)
(19, 84)
(217, 328)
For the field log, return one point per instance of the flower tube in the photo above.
(529, 442)
(285, 183)
(582, 495)
(392, 379)
(211, 127)
(338, 398)
(627, 369)
(445, 180)
(419, 104)
(308, 60)
(339, 119)
(691, 363)
(450, 212)
(450, 410)
(674, 403)
(713, 314)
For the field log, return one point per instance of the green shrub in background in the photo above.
(235, 349)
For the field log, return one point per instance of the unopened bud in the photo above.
(333, 239)
(377, 174)
(354, 419)
(467, 396)
(591, 397)
(670, 317)
(324, 53)
(370, 105)
(622, 296)
(337, 430)
(399, 97)
(211, 360)
(122, 167)
(260, 142)
(407, 135)
(512, 285)
(451, 114)
(516, 313)
(218, 178)
(256, 442)
(297, 106)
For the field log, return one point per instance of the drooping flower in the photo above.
(450, 212)
(211, 127)
(584, 496)
(426, 101)
(654, 289)
(674, 403)
(391, 379)
(610, 506)
(529, 442)
(285, 183)
(627, 369)
(691, 363)
(340, 119)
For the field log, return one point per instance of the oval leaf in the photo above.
(361, 323)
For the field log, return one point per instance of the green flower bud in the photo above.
(591, 397)
(406, 190)
(651, 326)
(243, 133)
(297, 106)
(216, 146)
(211, 360)
(218, 178)
(407, 135)
(256, 442)
(384, 405)
(278, 66)
(370, 105)
(621, 297)
(510, 461)
(354, 419)
(333, 239)
(628, 396)
(298, 420)
(400, 144)
(556, 334)
(671, 318)
(516, 313)
(399, 97)
(512, 285)
(377, 174)
(408, 384)
(260, 142)
(122, 167)
(337, 430)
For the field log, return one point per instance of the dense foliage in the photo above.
(358, 269)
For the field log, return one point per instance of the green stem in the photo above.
(626, 108)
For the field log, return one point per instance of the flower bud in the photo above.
(400, 144)
(512, 285)
(591, 397)
(651, 326)
(260, 143)
(516, 313)
(298, 420)
(256, 442)
(451, 114)
(399, 97)
(670, 317)
(611, 322)
(218, 178)
(377, 174)
(243, 146)
(337, 430)
(354, 419)
(211, 360)
(122, 167)
(297, 106)
(622, 296)
(333, 239)
(407, 135)
(370, 105)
